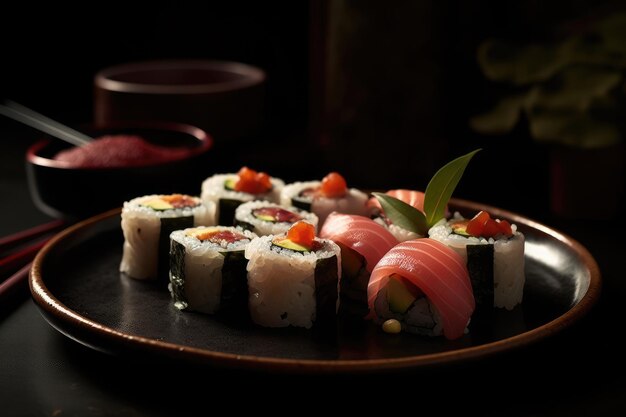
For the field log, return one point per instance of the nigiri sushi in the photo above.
(424, 285)
(363, 243)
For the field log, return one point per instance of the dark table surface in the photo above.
(578, 372)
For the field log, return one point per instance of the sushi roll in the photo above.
(494, 253)
(208, 269)
(363, 242)
(228, 191)
(264, 218)
(147, 223)
(324, 197)
(423, 286)
(293, 278)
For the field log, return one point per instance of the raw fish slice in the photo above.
(438, 271)
(363, 235)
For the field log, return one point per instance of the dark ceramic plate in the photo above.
(76, 283)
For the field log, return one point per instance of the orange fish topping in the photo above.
(252, 182)
(217, 236)
(180, 200)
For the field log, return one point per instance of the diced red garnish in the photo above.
(302, 233)
(482, 225)
(333, 186)
(477, 224)
(491, 228)
(180, 200)
(505, 227)
(277, 214)
(252, 182)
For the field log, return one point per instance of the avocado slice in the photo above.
(460, 228)
(398, 295)
(158, 204)
(229, 184)
(289, 244)
(351, 261)
(265, 217)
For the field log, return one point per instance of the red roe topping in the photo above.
(275, 214)
(302, 233)
(300, 237)
(252, 182)
(333, 186)
(119, 151)
(482, 225)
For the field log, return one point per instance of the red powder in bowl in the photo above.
(117, 151)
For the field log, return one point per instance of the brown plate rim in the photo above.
(52, 306)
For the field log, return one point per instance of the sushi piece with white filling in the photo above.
(265, 218)
(293, 278)
(493, 250)
(228, 191)
(324, 197)
(147, 223)
(208, 269)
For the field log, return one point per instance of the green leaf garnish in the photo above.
(402, 214)
(438, 193)
(441, 187)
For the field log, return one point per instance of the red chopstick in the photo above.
(15, 281)
(19, 237)
(20, 258)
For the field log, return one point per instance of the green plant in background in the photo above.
(571, 92)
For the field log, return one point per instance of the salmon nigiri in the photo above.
(363, 243)
(424, 285)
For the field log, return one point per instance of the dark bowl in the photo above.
(75, 193)
(222, 97)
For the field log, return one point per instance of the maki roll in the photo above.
(293, 278)
(363, 242)
(424, 287)
(264, 218)
(147, 223)
(208, 269)
(494, 253)
(324, 197)
(228, 191)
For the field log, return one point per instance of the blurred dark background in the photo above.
(382, 93)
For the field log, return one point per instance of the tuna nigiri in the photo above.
(425, 286)
(363, 243)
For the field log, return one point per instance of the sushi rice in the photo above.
(354, 202)
(146, 233)
(244, 217)
(508, 259)
(289, 287)
(199, 267)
